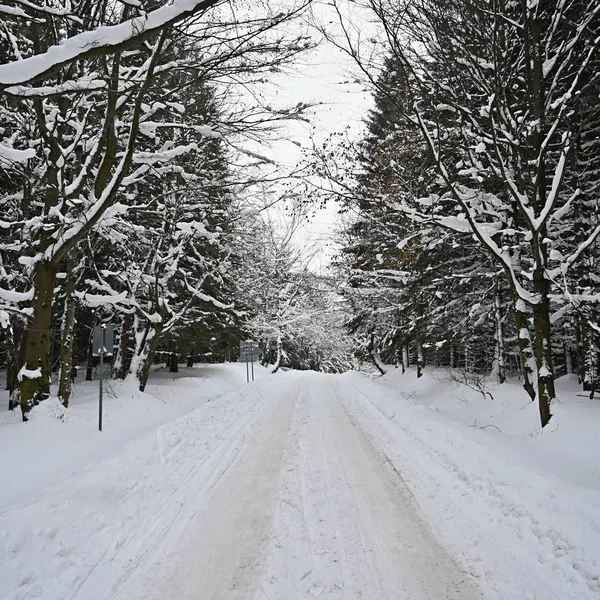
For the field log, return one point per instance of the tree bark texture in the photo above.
(501, 365)
(37, 339)
(525, 351)
(125, 346)
(373, 351)
(543, 359)
(420, 359)
(152, 345)
(453, 356)
(174, 363)
(191, 356)
(405, 355)
(67, 335)
(278, 359)
(568, 358)
(590, 355)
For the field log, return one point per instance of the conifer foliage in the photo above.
(477, 194)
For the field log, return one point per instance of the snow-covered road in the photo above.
(299, 486)
(301, 504)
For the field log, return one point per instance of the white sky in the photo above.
(326, 76)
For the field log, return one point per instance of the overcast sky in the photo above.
(326, 76)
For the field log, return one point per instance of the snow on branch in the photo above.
(47, 10)
(15, 297)
(12, 155)
(151, 158)
(85, 84)
(580, 249)
(95, 300)
(103, 40)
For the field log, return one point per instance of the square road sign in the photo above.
(109, 338)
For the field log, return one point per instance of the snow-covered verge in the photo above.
(73, 498)
(521, 504)
(56, 442)
(176, 480)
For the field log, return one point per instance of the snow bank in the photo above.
(523, 505)
(87, 507)
(81, 511)
(55, 443)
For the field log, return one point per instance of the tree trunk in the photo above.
(452, 356)
(89, 368)
(151, 342)
(278, 359)
(35, 380)
(191, 355)
(586, 379)
(534, 52)
(174, 363)
(589, 355)
(405, 360)
(525, 351)
(579, 350)
(10, 367)
(568, 357)
(12, 360)
(126, 350)
(543, 359)
(373, 351)
(469, 368)
(499, 349)
(420, 359)
(66, 346)
(400, 358)
(264, 359)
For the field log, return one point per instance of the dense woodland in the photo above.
(469, 209)
(472, 237)
(124, 171)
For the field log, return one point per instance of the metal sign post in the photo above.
(249, 352)
(247, 377)
(101, 374)
(102, 345)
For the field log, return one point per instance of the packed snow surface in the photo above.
(301, 485)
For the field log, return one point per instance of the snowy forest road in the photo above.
(305, 505)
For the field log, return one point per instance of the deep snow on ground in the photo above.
(42, 452)
(522, 504)
(302, 485)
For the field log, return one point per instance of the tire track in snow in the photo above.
(501, 509)
(346, 527)
(129, 555)
(218, 552)
(128, 507)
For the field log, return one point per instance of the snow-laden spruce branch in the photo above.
(99, 205)
(101, 41)
(481, 231)
(31, 10)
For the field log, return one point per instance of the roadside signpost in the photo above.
(102, 345)
(249, 352)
